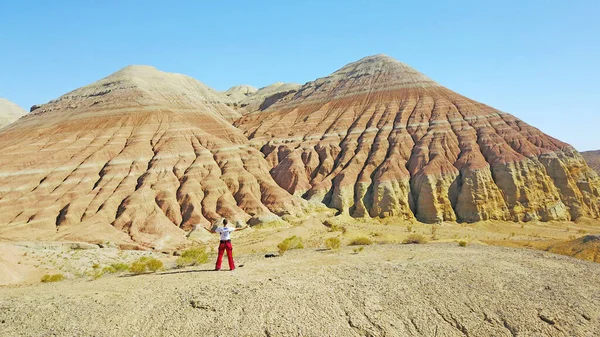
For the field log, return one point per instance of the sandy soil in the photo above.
(386, 290)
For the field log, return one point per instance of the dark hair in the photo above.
(224, 221)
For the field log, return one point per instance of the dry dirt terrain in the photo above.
(436, 289)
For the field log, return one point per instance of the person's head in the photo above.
(225, 222)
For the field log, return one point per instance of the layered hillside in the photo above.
(593, 159)
(140, 156)
(377, 138)
(9, 112)
(265, 96)
(240, 92)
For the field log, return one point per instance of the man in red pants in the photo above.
(225, 244)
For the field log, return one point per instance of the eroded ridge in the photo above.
(140, 156)
(376, 138)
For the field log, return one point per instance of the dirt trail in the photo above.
(386, 290)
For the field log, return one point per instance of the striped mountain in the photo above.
(377, 138)
(137, 158)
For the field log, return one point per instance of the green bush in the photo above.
(154, 265)
(145, 263)
(462, 243)
(333, 243)
(361, 241)
(53, 278)
(415, 238)
(119, 267)
(293, 242)
(193, 256)
(357, 250)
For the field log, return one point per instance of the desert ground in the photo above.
(385, 289)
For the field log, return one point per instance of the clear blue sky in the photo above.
(538, 60)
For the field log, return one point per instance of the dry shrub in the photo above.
(154, 265)
(145, 263)
(119, 267)
(333, 243)
(462, 243)
(192, 257)
(333, 227)
(361, 241)
(293, 242)
(53, 278)
(358, 249)
(434, 229)
(415, 239)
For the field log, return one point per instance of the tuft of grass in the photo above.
(293, 242)
(361, 241)
(434, 232)
(52, 278)
(119, 267)
(415, 239)
(357, 250)
(96, 274)
(462, 243)
(154, 265)
(333, 243)
(409, 228)
(145, 264)
(333, 227)
(193, 256)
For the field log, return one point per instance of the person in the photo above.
(225, 244)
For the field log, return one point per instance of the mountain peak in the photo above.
(386, 69)
(9, 112)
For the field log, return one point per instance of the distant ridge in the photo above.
(9, 112)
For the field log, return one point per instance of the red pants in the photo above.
(222, 247)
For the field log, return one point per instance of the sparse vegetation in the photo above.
(96, 274)
(333, 243)
(193, 256)
(119, 267)
(333, 227)
(415, 239)
(145, 264)
(112, 269)
(53, 278)
(361, 241)
(409, 228)
(433, 232)
(462, 243)
(357, 250)
(293, 242)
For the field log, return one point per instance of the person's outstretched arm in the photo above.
(241, 229)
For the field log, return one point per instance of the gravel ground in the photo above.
(386, 290)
